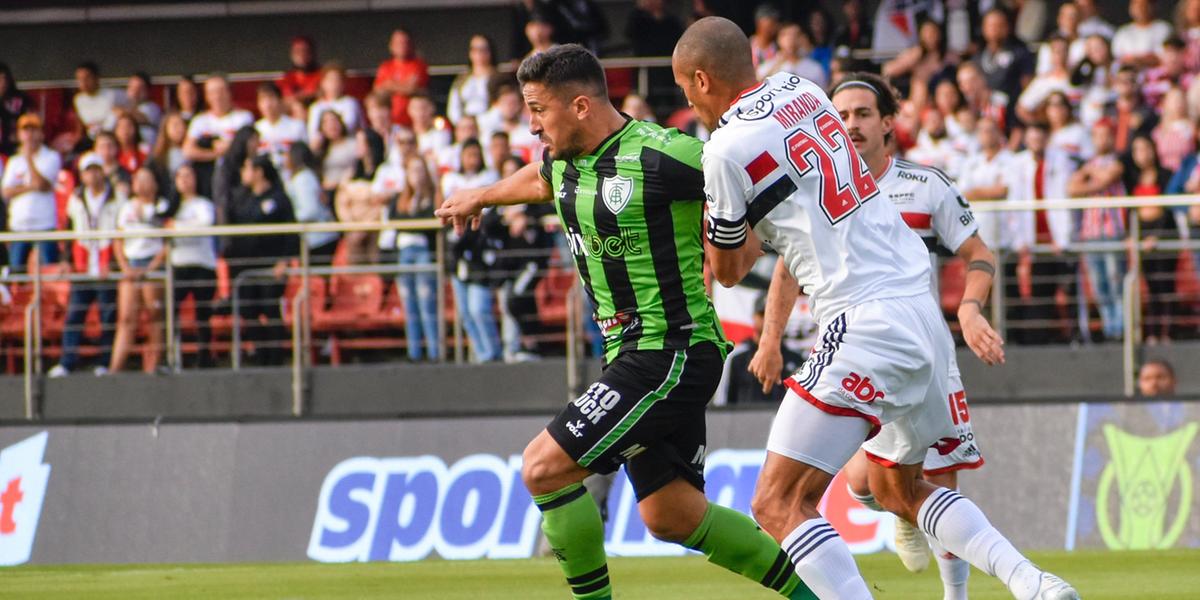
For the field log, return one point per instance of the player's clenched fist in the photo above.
(461, 209)
(767, 366)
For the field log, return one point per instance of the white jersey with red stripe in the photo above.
(782, 164)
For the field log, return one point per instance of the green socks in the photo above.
(572, 523)
(732, 540)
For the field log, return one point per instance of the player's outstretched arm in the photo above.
(767, 363)
(978, 333)
(526, 186)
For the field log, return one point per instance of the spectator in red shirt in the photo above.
(402, 75)
(301, 82)
(132, 154)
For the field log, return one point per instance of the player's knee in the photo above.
(666, 526)
(536, 471)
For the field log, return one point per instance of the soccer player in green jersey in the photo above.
(630, 196)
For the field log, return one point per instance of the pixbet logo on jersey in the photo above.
(402, 509)
(23, 479)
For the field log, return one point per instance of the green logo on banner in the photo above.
(1145, 470)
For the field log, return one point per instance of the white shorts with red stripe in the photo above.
(886, 362)
(966, 455)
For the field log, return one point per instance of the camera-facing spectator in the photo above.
(1090, 21)
(637, 107)
(138, 105)
(260, 200)
(923, 63)
(448, 158)
(167, 155)
(1067, 135)
(469, 92)
(109, 152)
(793, 57)
(1068, 29)
(228, 175)
(211, 132)
(309, 201)
(1171, 72)
(1138, 43)
(1145, 176)
(302, 80)
(1006, 63)
(1175, 134)
(188, 100)
(432, 131)
(475, 253)
(336, 151)
(132, 150)
(276, 131)
(1055, 79)
(764, 40)
(93, 104)
(194, 259)
(28, 190)
(740, 386)
(1094, 76)
(1156, 378)
(1102, 176)
(1130, 115)
(539, 32)
(980, 97)
(333, 98)
(93, 207)
(984, 177)
(138, 257)
(418, 291)
(499, 150)
(507, 114)
(378, 107)
(13, 104)
(401, 76)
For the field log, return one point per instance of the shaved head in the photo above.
(718, 47)
(712, 65)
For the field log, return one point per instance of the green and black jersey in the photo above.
(632, 213)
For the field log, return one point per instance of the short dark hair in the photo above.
(1162, 362)
(269, 88)
(568, 64)
(886, 98)
(144, 76)
(89, 66)
(1175, 43)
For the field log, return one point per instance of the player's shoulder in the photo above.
(930, 176)
(665, 140)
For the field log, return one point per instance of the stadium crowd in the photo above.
(1012, 102)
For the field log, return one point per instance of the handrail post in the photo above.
(572, 350)
(440, 259)
(1132, 293)
(28, 366)
(169, 311)
(305, 317)
(300, 302)
(998, 300)
(235, 353)
(37, 303)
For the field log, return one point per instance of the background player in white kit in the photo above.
(932, 206)
(781, 166)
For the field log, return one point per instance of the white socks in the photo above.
(824, 563)
(955, 571)
(961, 528)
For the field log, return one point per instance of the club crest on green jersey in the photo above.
(616, 193)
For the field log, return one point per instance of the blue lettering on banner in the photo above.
(408, 508)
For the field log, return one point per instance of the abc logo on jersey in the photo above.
(23, 479)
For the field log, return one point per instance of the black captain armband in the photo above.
(726, 235)
(982, 265)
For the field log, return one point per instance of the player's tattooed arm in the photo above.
(463, 207)
(767, 363)
(977, 332)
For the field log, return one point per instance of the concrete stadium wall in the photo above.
(441, 390)
(1057, 475)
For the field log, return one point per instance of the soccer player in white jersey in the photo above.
(933, 207)
(780, 167)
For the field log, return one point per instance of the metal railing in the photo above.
(301, 326)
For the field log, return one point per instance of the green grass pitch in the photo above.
(1097, 575)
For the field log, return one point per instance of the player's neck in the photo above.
(608, 123)
(878, 163)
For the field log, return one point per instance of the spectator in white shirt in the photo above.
(1068, 29)
(138, 257)
(194, 260)
(433, 135)
(28, 190)
(276, 130)
(93, 105)
(469, 92)
(1067, 135)
(1056, 79)
(1090, 21)
(983, 177)
(793, 57)
(332, 97)
(1139, 42)
(507, 112)
(93, 207)
(309, 201)
(211, 132)
(464, 129)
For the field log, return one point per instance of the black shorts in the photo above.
(647, 411)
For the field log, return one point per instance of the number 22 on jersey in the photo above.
(838, 197)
